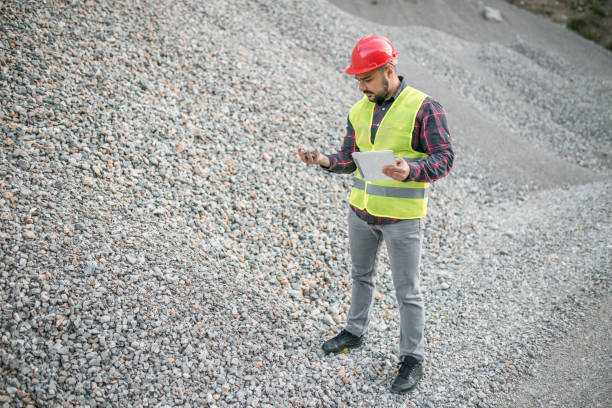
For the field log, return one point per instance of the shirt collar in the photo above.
(399, 89)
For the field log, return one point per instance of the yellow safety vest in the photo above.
(389, 198)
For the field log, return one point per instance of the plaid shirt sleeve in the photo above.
(342, 162)
(431, 136)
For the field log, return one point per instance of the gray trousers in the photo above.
(403, 240)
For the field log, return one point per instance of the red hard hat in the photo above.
(371, 53)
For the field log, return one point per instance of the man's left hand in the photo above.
(399, 171)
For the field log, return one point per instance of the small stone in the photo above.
(18, 153)
(144, 84)
(328, 320)
(90, 269)
(23, 164)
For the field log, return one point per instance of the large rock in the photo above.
(491, 14)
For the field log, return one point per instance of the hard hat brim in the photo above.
(371, 67)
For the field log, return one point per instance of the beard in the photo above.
(379, 97)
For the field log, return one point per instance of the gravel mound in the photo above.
(160, 245)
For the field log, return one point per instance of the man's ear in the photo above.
(389, 70)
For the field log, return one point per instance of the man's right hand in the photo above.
(313, 157)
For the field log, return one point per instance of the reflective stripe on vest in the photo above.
(384, 191)
(389, 198)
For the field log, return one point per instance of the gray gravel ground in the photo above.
(577, 369)
(160, 245)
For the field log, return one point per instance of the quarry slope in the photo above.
(161, 246)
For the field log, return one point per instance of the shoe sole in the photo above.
(342, 350)
(400, 392)
(407, 390)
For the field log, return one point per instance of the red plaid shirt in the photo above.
(430, 136)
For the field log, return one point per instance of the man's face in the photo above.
(374, 84)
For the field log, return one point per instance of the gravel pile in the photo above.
(527, 89)
(160, 245)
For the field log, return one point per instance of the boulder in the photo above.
(491, 14)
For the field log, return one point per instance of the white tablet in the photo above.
(370, 164)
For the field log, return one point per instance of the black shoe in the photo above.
(342, 341)
(409, 375)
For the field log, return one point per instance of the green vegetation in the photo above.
(585, 25)
(592, 19)
(542, 11)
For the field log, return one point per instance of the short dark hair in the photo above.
(392, 63)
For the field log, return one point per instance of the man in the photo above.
(390, 116)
